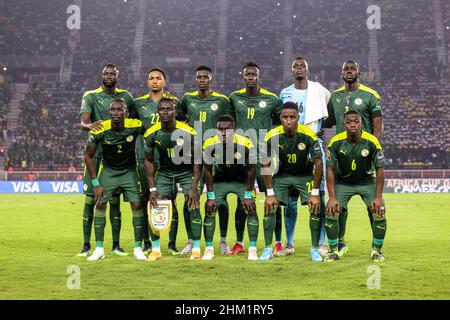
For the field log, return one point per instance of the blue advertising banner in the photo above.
(41, 186)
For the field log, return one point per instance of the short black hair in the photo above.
(119, 100)
(164, 100)
(298, 58)
(289, 105)
(110, 65)
(250, 64)
(203, 67)
(159, 70)
(351, 61)
(227, 118)
(352, 111)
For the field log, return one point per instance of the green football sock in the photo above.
(240, 218)
(378, 231)
(223, 220)
(332, 228)
(209, 226)
(315, 224)
(253, 227)
(187, 220)
(115, 218)
(153, 236)
(88, 218)
(145, 225)
(174, 225)
(278, 225)
(138, 218)
(196, 224)
(369, 213)
(99, 224)
(269, 222)
(342, 225)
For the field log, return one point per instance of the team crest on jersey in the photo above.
(85, 187)
(358, 101)
(130, 138)
(262, 104)
(91, 138)
(301, 146)
(328, 155)
(180, 141)
(214, 107)
(365, 153)
(237, 155)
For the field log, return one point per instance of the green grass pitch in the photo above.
(41, 234)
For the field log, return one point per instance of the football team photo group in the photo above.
(186, 153)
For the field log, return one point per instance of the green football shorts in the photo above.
(126, 181)
(345, 192)
(283, 185)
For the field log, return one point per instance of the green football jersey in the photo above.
(207, 111)
(294, 154)
(147, 111)
(258, 112)
(118, 148)
(229, 167)
(354, 163)
(96, 102)
(175, 155)
(365, 100)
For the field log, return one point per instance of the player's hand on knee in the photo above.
(377, 207)
(270, 204)
(249, 205)
(333, 207)
(99, 192)
(314, 204)
(153, 199)
(192, 198)
(211, 206)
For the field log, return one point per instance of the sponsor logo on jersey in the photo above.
(358, 101)
(130, 138)
(301, 146)
(365, 153)
(214, 107)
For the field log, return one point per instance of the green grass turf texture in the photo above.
(41, 235)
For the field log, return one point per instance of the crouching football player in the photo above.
(118, 170)
(351, 156)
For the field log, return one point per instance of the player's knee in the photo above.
(89, 200)
(115, 200)
(136, 206)
(101, 206)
